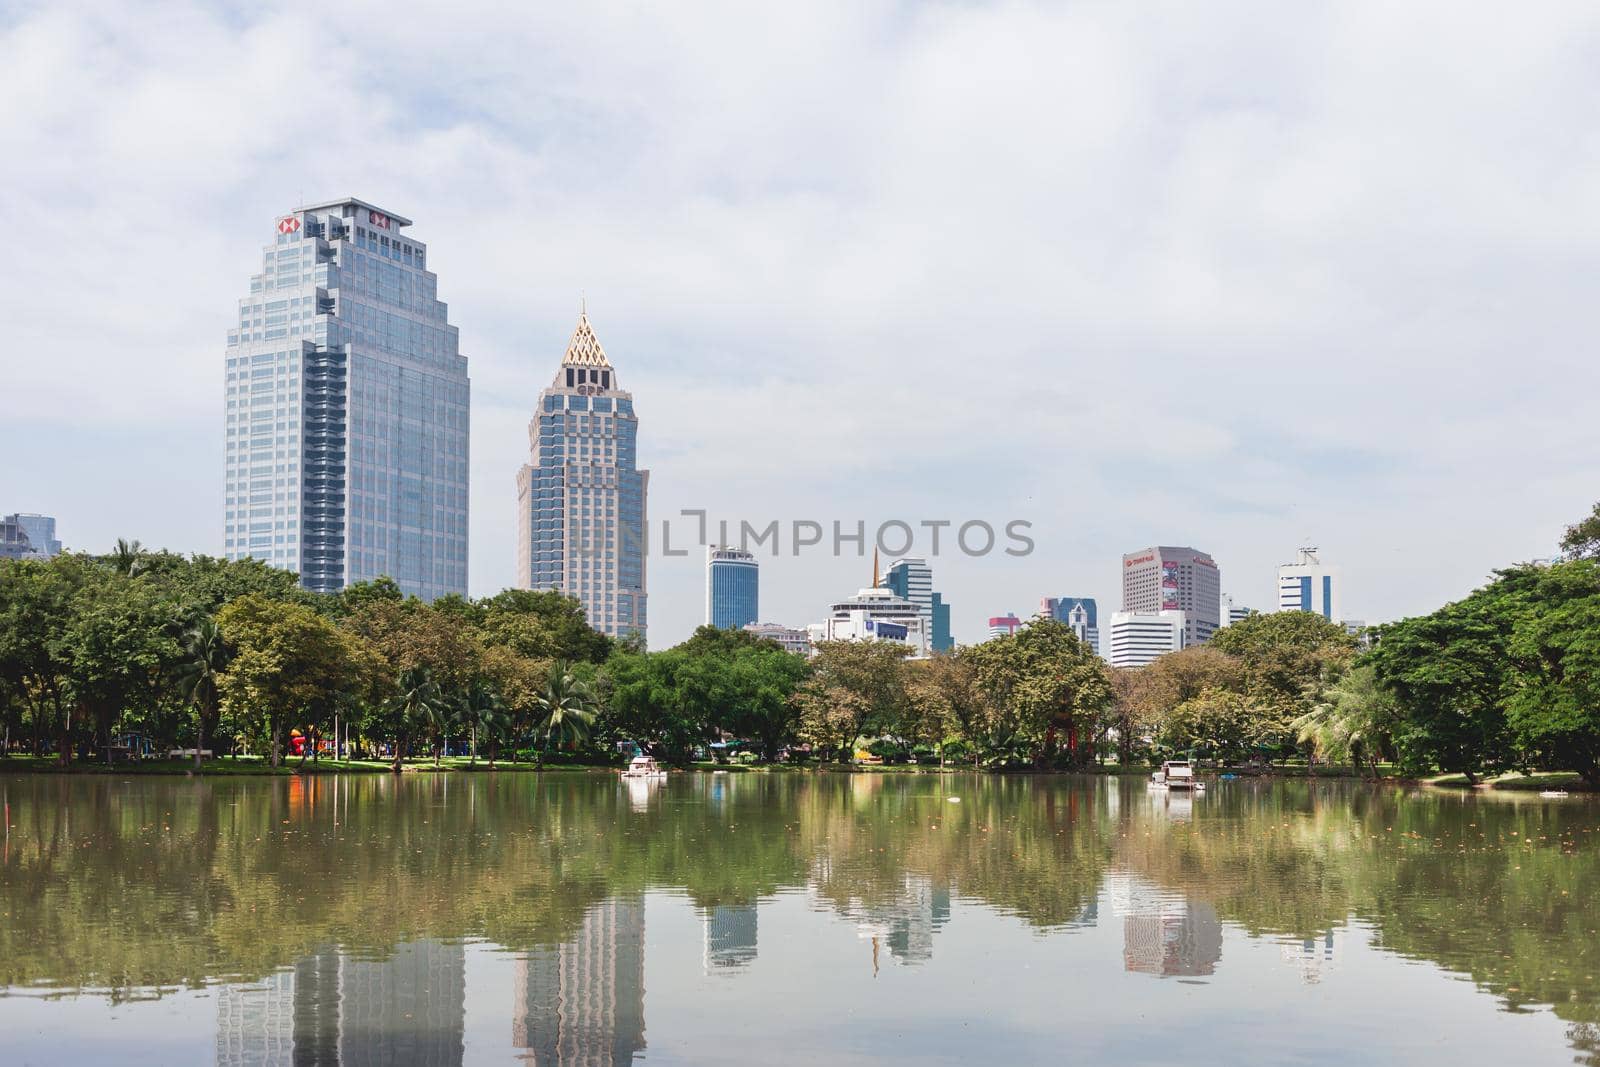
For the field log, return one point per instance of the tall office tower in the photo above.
(347, 407)
(35, 536)
(581, 496)
(912, 579)
(1164, 578)
(582, 1002)
(1080, 613)
(733, 588)
(1139, 637)
(1308, 584)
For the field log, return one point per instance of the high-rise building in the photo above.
(408, 1008)
(733, 588)
(1139, 637)
(347, 405)
(581, 495)
(24, 535)
(1164, 578)
(1078, 612)
(1308, 584)
(875, 614)
(912, 579)
(792, 638)
(582, 1002)
(1004, 625)
(1232, 612)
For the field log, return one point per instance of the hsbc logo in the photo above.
(378, 219)
(288, 224)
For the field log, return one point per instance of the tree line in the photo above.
(201, 653)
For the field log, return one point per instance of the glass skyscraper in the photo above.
(912, 579)
(733, 588)
(347, 409)
(581, 495)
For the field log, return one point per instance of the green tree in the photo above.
(856, 688)
(1448, 673)
(483, 714)
(1582, 539)
(1553, 694)
(1042, 683)
(568, 709)
(288, 658)
(416, 704)
(198, 672)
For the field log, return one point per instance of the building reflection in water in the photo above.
(904, 925)
(1313, 957)
(331, 1008)
(1164, 934)
(730, 937)
(582, 1003)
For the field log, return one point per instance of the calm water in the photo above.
(726, 918)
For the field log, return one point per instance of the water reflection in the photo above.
(366, 920)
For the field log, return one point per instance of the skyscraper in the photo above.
(347, 404)
(34, 536)
(581, 496)
(1137, 638)
(1004, 625)
(1080, 613)
(1163, 578)
(733, 588)
(912, 579)
(1308, 584)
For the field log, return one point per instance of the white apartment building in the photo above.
(1308, 584)
(1139, 637)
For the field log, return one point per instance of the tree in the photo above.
(288, 658)
(1288, 657)
(945, 700)
(864, 680)
(118, 645)
(484, 715)
(415, 705)
(1582, 539)
(568, 708)
(541, 624)
(204, 657)
(36, 609)
(1351, 721)
(1043, 682)
(1447, 673)
(1553, 694)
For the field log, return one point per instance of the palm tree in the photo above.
(484, 714)
(567, 706)
(128, 557)
(204, 657)
(418, 702)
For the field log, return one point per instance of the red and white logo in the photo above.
(288, 224)
(379, 220)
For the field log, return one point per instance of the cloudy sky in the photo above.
(1242, 276)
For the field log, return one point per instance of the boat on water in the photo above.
(1176, 774)
(643, 767)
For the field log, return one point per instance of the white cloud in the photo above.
(1137, 272)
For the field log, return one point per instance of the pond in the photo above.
(575, 918)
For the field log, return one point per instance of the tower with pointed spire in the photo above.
(581, 497)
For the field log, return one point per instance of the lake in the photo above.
(574, 918)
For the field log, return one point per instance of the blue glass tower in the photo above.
(581, 496)
(733, 588)
(912, 579)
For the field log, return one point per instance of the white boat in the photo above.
(644, 767)
(1176, 774)
(1554, 794)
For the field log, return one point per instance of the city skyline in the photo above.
(1175, 262)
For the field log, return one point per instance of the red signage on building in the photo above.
(1137, 559)
(378, 219)
(288, 224)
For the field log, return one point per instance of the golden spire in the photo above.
(874, 566)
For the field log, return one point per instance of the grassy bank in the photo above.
(1517, 782)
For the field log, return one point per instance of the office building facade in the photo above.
(1308, 584)
(346, 409)
(912, 579)
(581, 497)
(792, 638)
(1079, 613)
(875, 614)
(733, 588)
(1164, 578)
(1004, 625)
(1139, 637)
(25, 535)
